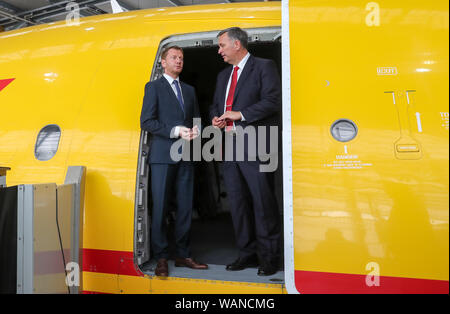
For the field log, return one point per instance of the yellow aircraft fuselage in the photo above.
(373, 208)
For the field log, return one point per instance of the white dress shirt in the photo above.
(170, 80)
(241, 66)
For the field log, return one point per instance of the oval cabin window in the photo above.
(344, 130)
(47, 142)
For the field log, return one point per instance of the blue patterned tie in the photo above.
(180, 99)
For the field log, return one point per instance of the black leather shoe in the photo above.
(267, 270)
(241, 264)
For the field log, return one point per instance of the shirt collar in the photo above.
(244, 60)
(171, 79)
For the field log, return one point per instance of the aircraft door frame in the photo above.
(142, 218)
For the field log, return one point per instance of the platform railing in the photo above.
(49, 235)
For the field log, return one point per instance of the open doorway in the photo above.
(212, 235)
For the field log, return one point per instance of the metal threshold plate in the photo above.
(219, 273)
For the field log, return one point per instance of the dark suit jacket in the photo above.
(161, 113)
(257, 95)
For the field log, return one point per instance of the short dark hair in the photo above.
(166, 51)
(236, 33)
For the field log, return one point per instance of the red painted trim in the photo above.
(311, 282)
(93, 292)
(122, 263)
(4, 83)
(110, 262)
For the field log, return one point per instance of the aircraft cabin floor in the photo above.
(217, 272)
(212, 242)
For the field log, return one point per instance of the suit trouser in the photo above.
(167, 179)
(254, 210)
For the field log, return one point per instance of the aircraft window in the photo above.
(344, 130)
(47, 142)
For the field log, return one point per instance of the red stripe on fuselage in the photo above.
(4, 83)
(122, 263)
(311, 282)
(110, 262)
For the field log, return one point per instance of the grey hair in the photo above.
(236, 33)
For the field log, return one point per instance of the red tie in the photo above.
(230, 97)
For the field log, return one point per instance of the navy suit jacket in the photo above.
(257, 96)
(161, 113)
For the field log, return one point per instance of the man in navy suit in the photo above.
(168, 111)
(248, 94)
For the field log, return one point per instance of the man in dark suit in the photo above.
(168, 111)
(248, 94)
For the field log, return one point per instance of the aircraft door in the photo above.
(368, 118)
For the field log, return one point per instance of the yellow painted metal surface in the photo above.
(89, 79)
(109, 283)
(383, 196)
